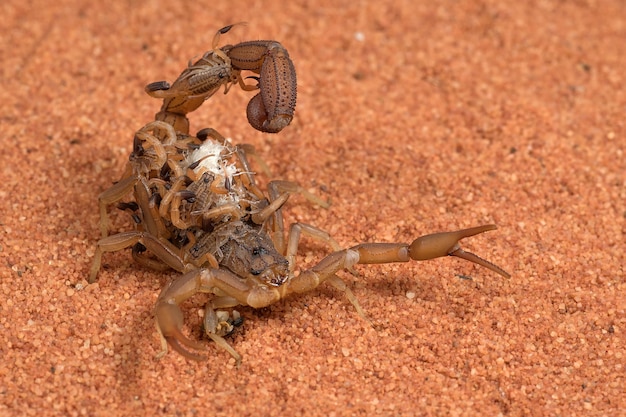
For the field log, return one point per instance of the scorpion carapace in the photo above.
(196, 207)
(271, 110)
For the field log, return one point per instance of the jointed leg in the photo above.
(295, 232)
(218, 324)
(112, 195)
(276, 191)
(162, 249)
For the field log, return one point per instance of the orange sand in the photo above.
(412, 118)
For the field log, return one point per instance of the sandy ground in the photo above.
(412, 117)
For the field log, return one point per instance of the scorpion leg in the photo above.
(169, 197)
(340, 285)
(276, 189)
(243, 150)
(116, 192)
(152, 222)
(162, 249)
(139, 256)
(222, 31)
(280, 186)
(218, 325)
(112, 195)
(295, 232)
(227, 210)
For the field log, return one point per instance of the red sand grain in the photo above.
(412, 117)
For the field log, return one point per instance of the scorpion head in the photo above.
(253, 255)
(268, 266)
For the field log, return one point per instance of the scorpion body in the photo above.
(197, 209)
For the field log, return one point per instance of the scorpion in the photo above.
(197, 209)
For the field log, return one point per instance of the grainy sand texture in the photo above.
(413, 117)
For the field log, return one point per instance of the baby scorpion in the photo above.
(197, 209)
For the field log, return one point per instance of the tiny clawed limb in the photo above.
(447, 244)
(216, 326)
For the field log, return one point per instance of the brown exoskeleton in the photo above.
(164, 140)
(197, 209)
(269, 111)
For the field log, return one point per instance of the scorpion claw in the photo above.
(469, 256)
(169, 323)
(259, 118)
(447, 244)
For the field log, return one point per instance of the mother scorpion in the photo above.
(196, 207)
